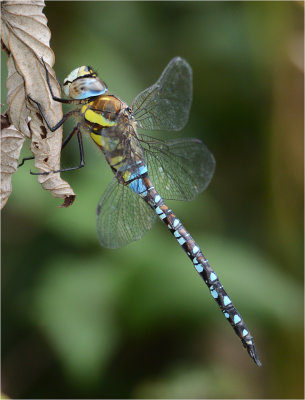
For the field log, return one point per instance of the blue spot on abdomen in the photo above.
(199, 267)
(213, 277)
(226, 300)
(137, 186)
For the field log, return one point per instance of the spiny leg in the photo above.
(52, 128)
(66, 141)
(25, 159)
(59, 99)
(76, 130)
(60, 123)
(202, 267)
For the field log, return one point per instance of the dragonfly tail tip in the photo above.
(253, 354)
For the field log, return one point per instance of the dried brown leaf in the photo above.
(25, 35)
(11, 142)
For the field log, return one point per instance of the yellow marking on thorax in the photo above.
(84, 107)
(97, 138)
(96, 118)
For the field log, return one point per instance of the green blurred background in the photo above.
(81, 321)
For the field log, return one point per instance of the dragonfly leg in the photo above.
(25, 159)
(66, 141)
(76, 130)
(59, 99)
(56, 126)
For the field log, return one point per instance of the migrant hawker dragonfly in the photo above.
(146, 171)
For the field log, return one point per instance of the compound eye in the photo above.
(86, 87)
(83, 83)
(74, 75)
(66, 87)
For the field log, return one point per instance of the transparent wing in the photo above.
(179, 168)
(122, 216)
(166, 104)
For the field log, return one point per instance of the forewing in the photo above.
(166, 104)
(179, 168)
(122, 216)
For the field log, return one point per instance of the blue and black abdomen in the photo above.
(142, 185)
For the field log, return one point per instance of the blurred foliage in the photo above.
(80, 321)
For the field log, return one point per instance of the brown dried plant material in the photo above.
(11, 142)
(26, 38)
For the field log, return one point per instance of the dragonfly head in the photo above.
(83, 83)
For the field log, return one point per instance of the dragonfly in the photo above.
(147, 171)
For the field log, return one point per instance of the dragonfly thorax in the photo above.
(83, 83)
(113, 128)
(102, 112)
